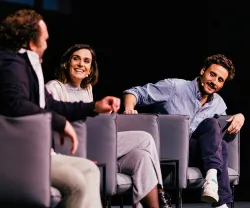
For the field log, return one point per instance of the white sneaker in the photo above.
(222, 206)
(210, 192)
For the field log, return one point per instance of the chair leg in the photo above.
(108, 201)
(179, 198)
(121, 205)
(104, 200)
(232, 203)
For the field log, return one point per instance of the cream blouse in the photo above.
(69, 93)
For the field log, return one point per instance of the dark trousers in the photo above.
(208, 150)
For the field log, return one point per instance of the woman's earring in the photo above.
(64, 66)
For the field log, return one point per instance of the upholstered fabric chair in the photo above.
(174, 140)
(102, 146)
(25, 144)
(97, 141)
(81, 131)
(195, 179)
(174, 144)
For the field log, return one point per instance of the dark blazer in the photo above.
(19, 93)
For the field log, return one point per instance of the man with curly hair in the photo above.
(199, 100)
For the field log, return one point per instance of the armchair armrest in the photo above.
(233, 145)
(102, 146)
(25, 144)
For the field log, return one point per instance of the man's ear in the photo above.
(32, 45)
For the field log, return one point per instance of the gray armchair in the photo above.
(102, 146)
(136, 122)
(174, 140)
(97, 141)
(194, 177)
(25, 144)
(81, 131)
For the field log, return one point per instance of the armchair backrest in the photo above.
(102, 146)
(140, 122)
(81, 132)
(25, 144)
(174, 138)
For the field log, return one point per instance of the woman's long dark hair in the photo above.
(62, 73)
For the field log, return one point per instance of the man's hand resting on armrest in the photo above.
(70, 132)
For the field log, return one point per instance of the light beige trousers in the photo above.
(78, 180)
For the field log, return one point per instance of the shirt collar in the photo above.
(32, 54)
(197, 92)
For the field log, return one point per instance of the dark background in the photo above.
(139, 42)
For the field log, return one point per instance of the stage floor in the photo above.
(203, 205)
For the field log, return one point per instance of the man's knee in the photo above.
(92, 170)
(67, 178)
(212, 122)
(95, 171)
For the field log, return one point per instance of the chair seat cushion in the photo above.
(196, 180)
(124, 183)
